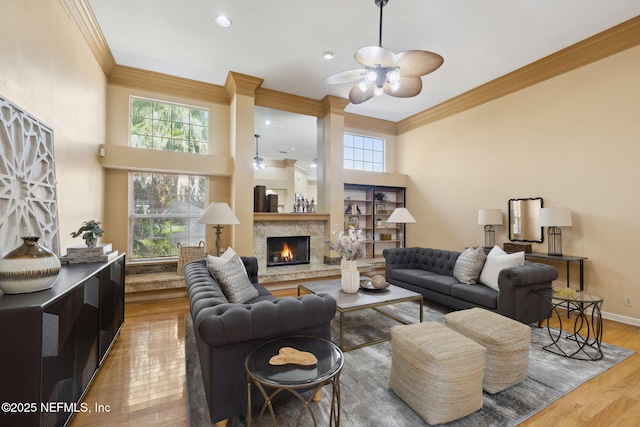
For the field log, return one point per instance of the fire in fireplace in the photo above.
(290, 250)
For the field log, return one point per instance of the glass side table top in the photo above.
(568, 294)
(329, 355)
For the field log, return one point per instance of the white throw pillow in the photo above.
(496, 261)
(469, 265)
(234, 282)
(213, 261)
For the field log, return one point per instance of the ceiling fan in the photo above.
(387, 72)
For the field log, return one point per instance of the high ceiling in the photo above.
(282, 41)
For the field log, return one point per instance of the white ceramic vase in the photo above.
(350, 276)
(28, 268)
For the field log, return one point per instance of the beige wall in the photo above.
(48, 70)
(573, 140)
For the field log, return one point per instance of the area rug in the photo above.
(368, 401)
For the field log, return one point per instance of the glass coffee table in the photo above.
(292, 377)
(361, 300)
(584, 343)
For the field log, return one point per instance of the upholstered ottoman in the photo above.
(436, 371)
(507, 342)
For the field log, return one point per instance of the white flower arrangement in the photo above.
(350, 246)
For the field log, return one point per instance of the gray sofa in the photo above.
(225, 333)
(430, 272)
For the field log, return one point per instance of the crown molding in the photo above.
(369, 123)
(167, 84)
(241, 84)
(333, 105)
(609, 42)
(269, 98)
(85, 21)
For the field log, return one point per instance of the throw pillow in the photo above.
(234, 282)
(496, 261)
(469, 265)
(222, 260)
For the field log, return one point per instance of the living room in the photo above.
(571, 139)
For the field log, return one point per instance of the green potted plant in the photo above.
(90, 231)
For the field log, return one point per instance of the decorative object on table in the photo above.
(351, 247)
(379, 282)
(259, 198)
(489, 218)
(554, 218)
(272, 203)
(28, 206)
(28, 268)
(401, 216)
(353, 209)
(517, 247)
(189, 253)
(397, 75)
(376, 283)
(81, 254)
(90, 231)
(218, 213)
(290, 355)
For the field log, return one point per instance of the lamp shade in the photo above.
(555, 217)
(218, 213)
(401, 215)
(489, 217)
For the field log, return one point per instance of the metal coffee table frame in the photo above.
(362, 300)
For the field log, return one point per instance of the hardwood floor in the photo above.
(143, 378)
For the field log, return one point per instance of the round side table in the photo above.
(292, 377)
(585, 341)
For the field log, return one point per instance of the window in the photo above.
(363, 153)
(163, 212)
(165, 126)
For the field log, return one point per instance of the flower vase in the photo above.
(350, 276)
(28, 268)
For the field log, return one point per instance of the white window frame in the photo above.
(368, 153)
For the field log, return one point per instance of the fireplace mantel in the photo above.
(261, 216)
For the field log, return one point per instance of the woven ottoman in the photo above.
(507, 342)
(436, 371)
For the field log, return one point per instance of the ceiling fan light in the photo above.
(394, 86)
(370, 77)
(393, 75)
(377, 91)
(363, 86)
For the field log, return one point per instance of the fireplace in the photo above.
(290, 250)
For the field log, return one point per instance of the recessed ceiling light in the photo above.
(328, 55)
(223, 21)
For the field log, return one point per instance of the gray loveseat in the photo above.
(225, 333)
(430, 272)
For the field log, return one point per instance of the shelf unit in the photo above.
(368, 207)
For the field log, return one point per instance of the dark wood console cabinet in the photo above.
(54, 341)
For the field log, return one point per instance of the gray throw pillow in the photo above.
(469, 265)
(234, 282)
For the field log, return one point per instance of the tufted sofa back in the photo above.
(435, 260)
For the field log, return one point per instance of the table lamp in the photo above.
(401, 216)
(489, 218)
(218, 213)
(554, 218)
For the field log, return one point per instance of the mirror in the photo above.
(288, 144)
(523, 220)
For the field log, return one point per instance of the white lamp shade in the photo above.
(489, 217)
(401, 215)
(218, 213)
(555, 217)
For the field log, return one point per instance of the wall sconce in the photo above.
(489, 218)
(554, 218)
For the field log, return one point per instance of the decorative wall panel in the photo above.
(28, 198)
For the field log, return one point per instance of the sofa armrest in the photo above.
(516, 298)
(231, 323)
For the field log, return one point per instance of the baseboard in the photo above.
(620, 318)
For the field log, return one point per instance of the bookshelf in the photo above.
(368, 208)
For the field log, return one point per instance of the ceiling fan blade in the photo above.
(418, 62)
(345, 76)
(357, 96)
(370, 56)
(409, 86)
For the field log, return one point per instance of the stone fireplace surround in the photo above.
(313, 225)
